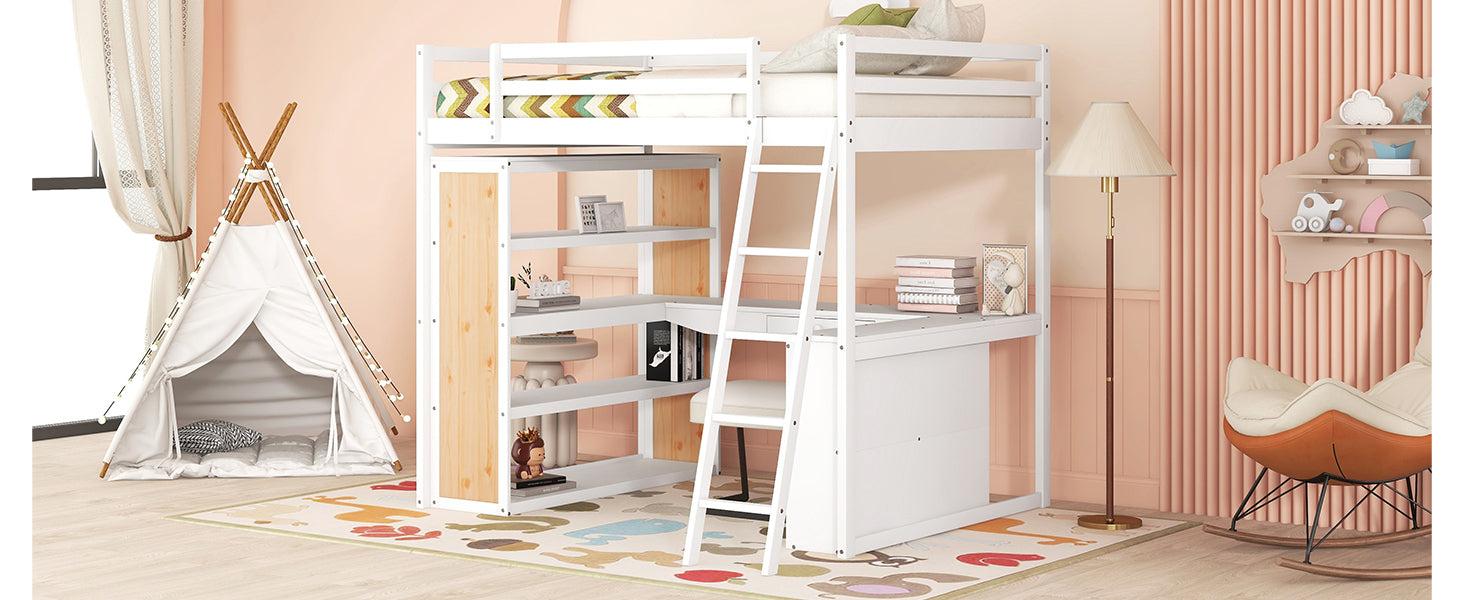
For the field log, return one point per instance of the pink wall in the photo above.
(1077, 419)
(1246, 88)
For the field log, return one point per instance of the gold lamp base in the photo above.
(1118, 523)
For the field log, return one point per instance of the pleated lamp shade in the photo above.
(1111, 142)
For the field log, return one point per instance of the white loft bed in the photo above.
(847, 335)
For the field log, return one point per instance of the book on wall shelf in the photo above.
(936, 284)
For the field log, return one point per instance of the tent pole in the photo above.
(257, 161)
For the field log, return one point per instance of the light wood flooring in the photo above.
(94, 539)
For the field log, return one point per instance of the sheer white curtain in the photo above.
(142, 67)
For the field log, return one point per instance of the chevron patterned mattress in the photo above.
(469, 99)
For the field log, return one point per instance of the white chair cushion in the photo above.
(745, 397)
(1261, 401)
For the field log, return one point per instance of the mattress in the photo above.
(274, 456)
(783, 95)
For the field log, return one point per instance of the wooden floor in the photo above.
(94, 539)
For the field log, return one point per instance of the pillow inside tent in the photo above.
(213, 435)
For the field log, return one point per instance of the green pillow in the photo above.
(874, 14)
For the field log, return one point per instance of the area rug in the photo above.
(638, 536)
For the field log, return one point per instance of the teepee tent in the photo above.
(258, 339)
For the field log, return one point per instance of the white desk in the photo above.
(915, 440)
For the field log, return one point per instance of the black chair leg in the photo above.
(746, 492)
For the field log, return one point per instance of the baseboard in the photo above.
(1078, 486)
(73, 428)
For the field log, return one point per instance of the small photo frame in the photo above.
(588, 222)
(1004, 278)
(610, 216)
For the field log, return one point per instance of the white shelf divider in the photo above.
(608, 477)
(592, 394)
(568, 238)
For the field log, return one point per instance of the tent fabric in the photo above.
(253, 343)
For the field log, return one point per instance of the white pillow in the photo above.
(286, 452)
(942, 20)
(818, 53)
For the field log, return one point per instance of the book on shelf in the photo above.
(908, 298)
(561, 337)
(549, 301)
(545, 309)
(938, 308)
(673, 353)
(915, 289)
(937, 261)
(946, 283)
(1392, 166)
(541, 490)
(542, 480)
(934, 272)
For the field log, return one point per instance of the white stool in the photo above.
(746, 397)
(545, 368)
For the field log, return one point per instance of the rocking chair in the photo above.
(1331, 434)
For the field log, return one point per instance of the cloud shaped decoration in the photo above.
(1363, 108)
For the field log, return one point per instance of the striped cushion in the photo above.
(469, 99)
(212, 435)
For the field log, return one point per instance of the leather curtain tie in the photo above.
(187, 231)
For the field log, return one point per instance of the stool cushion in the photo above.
(747, 397)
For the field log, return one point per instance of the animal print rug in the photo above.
(638, 536)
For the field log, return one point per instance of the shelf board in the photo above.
(606, 478)
(1395, 126)
(1363, 178)
(1367, 237)
(601, 312)
(592, 394)
(542, 240)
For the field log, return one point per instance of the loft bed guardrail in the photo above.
(886, 133)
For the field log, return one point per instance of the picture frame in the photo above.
(609, 216)
(1004, 279)
(586, 204)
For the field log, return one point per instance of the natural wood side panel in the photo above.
(681, 197)
(468, 332)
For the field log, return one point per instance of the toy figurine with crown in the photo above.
(527, 454)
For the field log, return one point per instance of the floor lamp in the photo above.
(1110, 143)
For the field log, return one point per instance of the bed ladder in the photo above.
(796, 344)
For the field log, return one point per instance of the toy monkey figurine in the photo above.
(528, 454)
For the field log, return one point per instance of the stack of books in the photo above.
(547, 483)
(674, 353)
(937, 284)
(548, 303)
(559, 337)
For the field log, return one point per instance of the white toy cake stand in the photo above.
(545, 368)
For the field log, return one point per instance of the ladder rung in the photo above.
(762, 336)
(785, 252)
(736, 506)
(747, 421)
(787, 168)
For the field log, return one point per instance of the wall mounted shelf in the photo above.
(1367, 237)
(1362, 178)
(1367, 129)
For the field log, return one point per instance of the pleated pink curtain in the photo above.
(1246, 85)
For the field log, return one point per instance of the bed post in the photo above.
(425, 348)
(843, 394)
(1041, 397)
